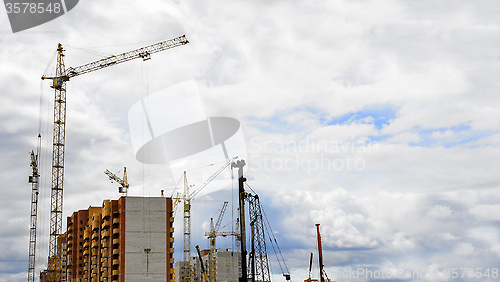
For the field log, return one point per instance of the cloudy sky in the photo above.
(377, 119)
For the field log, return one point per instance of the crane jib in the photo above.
(144, 53)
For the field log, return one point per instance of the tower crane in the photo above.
(212, 235)
(122, 181)
(33, 179)
(59, 81)
(187, 196)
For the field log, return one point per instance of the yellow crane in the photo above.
(201, 263)
(212, 235)
(122, 181)
(187, 196)
(59, 81)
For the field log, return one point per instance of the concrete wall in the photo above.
(146, 228)
(228, 265)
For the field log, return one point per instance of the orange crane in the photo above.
(59, 81)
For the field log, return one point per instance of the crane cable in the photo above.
(43, 129)
(93, 52)
(146, 168)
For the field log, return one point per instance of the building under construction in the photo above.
(130, 237)
(227, 262)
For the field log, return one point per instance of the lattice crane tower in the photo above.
(59, 82)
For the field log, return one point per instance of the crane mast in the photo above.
(33, 179)
(212, 235)
(59, 136)
(62, 76)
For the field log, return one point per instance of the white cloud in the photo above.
(405, 137)
(285, 69)
(440, 212)
(448, 236)
(464, 249)
(442, 135)
(486, 212)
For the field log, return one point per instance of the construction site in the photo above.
(131, 238)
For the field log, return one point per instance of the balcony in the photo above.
(95, 236)
(116, 251)
(116, 231)
(104, 254)
(116, 241)
(116, 262)
(116, 220)
(86, 252)
(105, 224)
(106, 212)
(104, 234)
(95, 244)
(116, 272)
(105, 274)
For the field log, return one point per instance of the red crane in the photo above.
(320, 251)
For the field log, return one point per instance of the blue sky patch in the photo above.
(379, 138)
(381, 114)
(462, 134)
(278, 122)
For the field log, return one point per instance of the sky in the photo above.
(377, 119)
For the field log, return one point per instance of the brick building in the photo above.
(129, 239)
